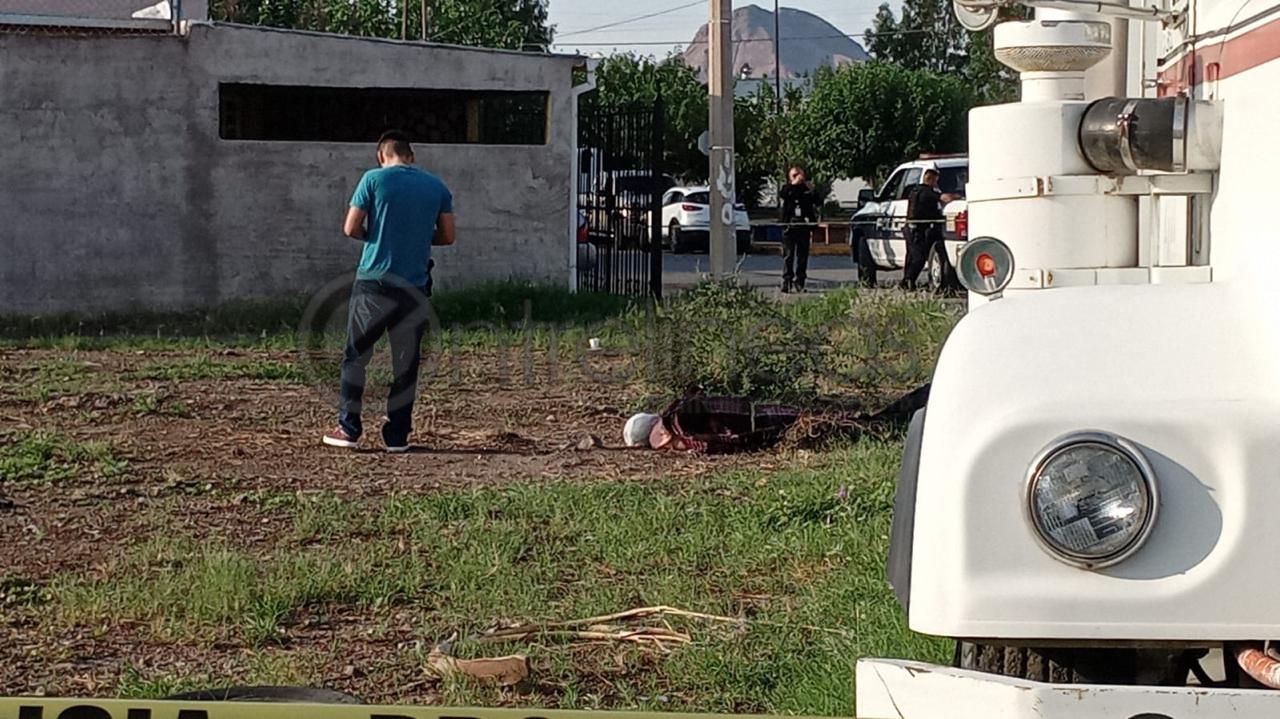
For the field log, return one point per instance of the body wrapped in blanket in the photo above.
(705, 424)
(721, 425)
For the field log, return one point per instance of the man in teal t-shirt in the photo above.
(399, 212)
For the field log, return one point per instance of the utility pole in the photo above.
(426, 20)
(777, 90)
(777, 58)
(404, 20)
(722, 175)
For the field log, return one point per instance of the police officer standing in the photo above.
(924, 226)
(799, 211)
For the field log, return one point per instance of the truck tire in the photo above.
(942, 276)
(1013, 662)
(1119, 666)
(1058, 666)
(866, 265)
(674, 238)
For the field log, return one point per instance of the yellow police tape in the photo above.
(44, 708)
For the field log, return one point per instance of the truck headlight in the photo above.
(1091, 499)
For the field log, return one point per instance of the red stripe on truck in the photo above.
(1220, 61)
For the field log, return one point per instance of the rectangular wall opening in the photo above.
(298, 113)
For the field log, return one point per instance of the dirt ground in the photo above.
(200, 443)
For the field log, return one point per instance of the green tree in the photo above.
(861, 120)
(510, 24)
(881, 38)
(993, 82)
(756, 133)
(928, 37)
(627, 80)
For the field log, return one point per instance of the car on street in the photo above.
(877, 230)
(622, 202)
(686, 220)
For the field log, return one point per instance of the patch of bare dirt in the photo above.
(203, 453)
(480, 426)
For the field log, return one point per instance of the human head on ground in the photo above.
(931, 177)
(662, 438)
(648, 430)
(394, 149)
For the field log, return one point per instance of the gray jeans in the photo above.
(381, 307)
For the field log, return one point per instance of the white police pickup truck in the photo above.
(877, 231)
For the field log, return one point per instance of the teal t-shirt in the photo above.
(403, 204)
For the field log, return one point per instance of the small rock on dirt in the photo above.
(589, 442)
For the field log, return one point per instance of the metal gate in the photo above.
(620, 188)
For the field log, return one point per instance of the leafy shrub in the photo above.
(729, 339)
(885, 343)
(847, 347)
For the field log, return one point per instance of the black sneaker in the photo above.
(395, 445)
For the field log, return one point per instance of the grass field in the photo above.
(172, 522)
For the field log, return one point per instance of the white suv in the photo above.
(686, 220)
(877, 231)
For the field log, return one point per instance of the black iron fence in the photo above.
(620, 188)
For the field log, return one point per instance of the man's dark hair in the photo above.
(930, 171)
(396, 143)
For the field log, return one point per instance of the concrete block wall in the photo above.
(120, 194)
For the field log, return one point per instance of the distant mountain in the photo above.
(808, 43)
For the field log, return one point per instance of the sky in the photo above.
(575, 20)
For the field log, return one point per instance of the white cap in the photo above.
(636, 432)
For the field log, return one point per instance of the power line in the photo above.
(638, 18)
(619, 30)
(691, 43)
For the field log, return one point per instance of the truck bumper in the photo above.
(891, 689)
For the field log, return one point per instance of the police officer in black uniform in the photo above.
(799, 211)
(924, 226)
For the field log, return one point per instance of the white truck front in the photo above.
(1084, 506)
